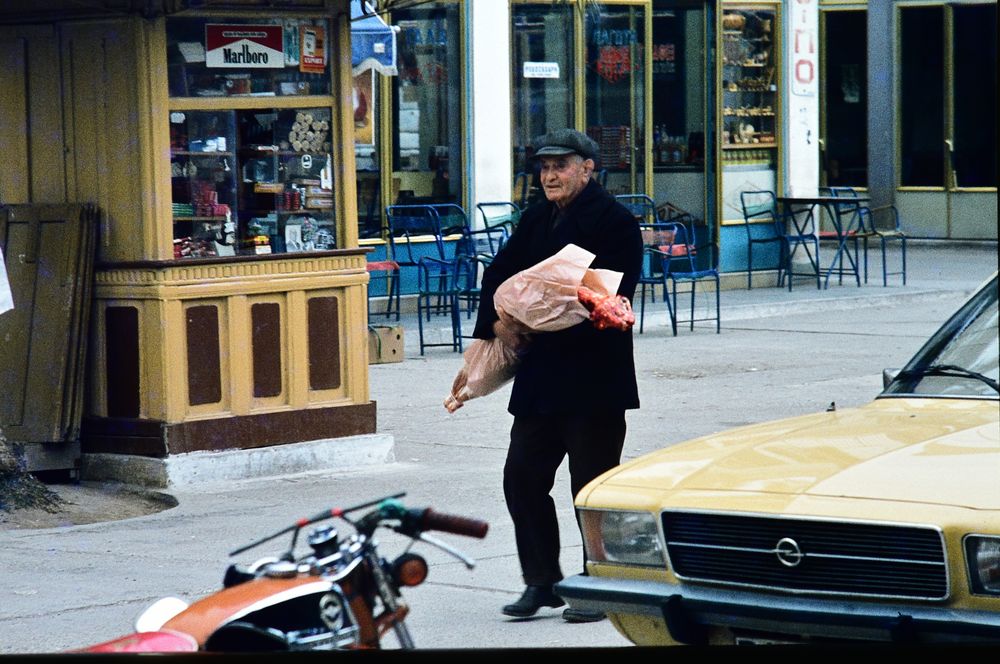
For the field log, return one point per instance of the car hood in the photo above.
(939, 451)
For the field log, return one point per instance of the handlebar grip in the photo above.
(451, 523)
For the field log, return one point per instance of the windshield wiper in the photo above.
(949, 370)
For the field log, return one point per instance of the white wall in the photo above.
(488, 102)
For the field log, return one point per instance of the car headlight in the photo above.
(627, 538)
(982, 554)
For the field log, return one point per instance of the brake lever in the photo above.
(447, 548)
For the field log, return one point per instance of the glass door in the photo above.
(616, 92)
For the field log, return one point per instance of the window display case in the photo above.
(251, 182)
(253, 176)
(749, 81)
(748, 100)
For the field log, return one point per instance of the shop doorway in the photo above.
(844, 99)
(681, 108)
(947, 110)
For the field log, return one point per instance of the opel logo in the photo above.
(788, 552)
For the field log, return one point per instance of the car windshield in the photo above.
(962, 357)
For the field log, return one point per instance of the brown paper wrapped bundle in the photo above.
(544, 298)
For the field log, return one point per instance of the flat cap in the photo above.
(566, 141)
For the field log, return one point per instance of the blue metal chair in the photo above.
(655, 238)
(848, 222)
(676, 260)
(500, 213)
(452, 217)
(476, 250)
(438, 289)
(882, 223)
(643, 209)
(408, 224)
(763, 227)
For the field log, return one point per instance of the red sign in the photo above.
(244, 46)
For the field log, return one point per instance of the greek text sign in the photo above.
(541, 70)
(244, 46)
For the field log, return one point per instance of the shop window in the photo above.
(922, 146)
(975, 159)
(222, 57)
(251, 181)
(543, 70)
(427, 105)
(845, 97)
(678, 86)
(615, 86)
(255, 179)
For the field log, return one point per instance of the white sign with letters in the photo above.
(540, 70)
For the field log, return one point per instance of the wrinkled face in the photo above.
(564, 176)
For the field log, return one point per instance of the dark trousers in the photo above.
(538, 445)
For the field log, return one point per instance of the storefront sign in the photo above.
(804, 48)
(312, 49)
(541, 70)
(244, 46)
(803, 104)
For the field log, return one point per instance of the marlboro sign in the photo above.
(244, 46)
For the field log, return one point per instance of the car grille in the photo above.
(807, 555)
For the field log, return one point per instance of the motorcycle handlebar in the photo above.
(452, 523)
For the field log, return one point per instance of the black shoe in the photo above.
(582, 615)
(533, 598)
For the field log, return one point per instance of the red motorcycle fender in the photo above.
(206, 615)
(162, 641)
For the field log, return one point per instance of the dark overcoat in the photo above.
(580, 370)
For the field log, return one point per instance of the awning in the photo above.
(373, 42)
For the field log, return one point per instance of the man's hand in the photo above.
(513, 333)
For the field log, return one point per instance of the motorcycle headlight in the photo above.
(982, 555)
(627, 538)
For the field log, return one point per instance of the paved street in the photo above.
(779, 354)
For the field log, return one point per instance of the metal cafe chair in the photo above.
(476, 250)
(763, 227)
(438, 288)
(882, 223)
(656, 237)
(405, 224)
(452, 216)
(847, 217)
(386, 271)
(643, 209)
(677, 265)
(499, 213)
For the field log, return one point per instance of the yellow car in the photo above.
(879, 523)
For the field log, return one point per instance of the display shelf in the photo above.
(749, 90)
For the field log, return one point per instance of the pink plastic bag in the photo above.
(543, 297)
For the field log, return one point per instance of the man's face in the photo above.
(564, 176)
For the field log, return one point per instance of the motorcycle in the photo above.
(342, 594)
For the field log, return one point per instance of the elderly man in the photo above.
(573, 386)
